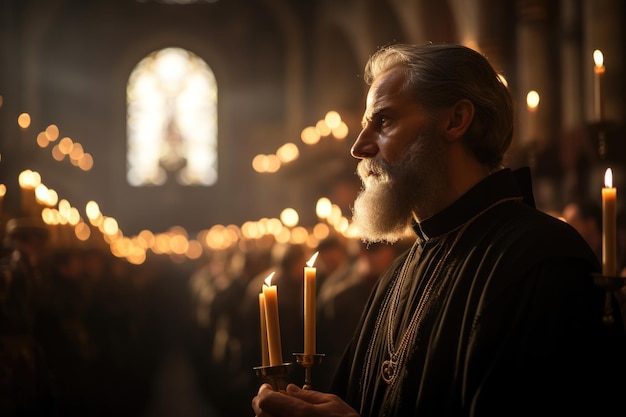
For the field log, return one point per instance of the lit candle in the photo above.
(265, 355)
(28, 181)
(309, 306)
(271, 319)
(598, 75)
(532, 102)
(3, 191)
(609, 226)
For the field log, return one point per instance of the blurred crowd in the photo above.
(85, 333)
(81, 332)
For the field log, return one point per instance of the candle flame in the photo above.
(532, 99)
(268, 280)
(312, 260)
(608, 178)
(598, 58)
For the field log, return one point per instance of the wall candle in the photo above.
(271, 319)
(3, 192)
(532, 102)
(598, 75)
(265, 355)
(309, 306)
(609, 226)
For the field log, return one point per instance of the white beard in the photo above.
(376, 214)
(391, 193)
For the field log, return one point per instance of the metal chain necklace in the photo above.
(398, 355)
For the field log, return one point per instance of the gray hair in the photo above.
(439, 75)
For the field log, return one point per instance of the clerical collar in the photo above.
(502, 184)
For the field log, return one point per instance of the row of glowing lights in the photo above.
(331, 124)
(65, 147)
(176, 241)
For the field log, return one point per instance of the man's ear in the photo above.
(459, 118)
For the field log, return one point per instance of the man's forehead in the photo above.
(385, 86)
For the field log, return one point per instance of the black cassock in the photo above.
(510, 324)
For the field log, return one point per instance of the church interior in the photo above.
(162, 154)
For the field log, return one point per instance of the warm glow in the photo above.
(310, 136)
(311, 261)
(52, 198)
(41, 193)
(52, 133)
(598, 58)
(532, 100)
(342, 224)
(3, 190)
(608, 178)
(161, 243)
(321, 231)
(77, 152)
(266, 163)
(272, 163)
(332, 119)
(92, 210)
(289, 217)
(48, 215)
(82, 231)
(29, 179)
(323, 208)
(283, 236)
(194, 250)
(57, 154)
(109, 226)
(64, 208)
(273, 226)
(503, 80)
(86, 162)
(471, 43)
(65, 145)
(23, 120)
(322, 128)
(179, 244)
(73, 217)
(148, 237)
(268, 280)
(299, 235)
(258, 163)
(341, 131)
(288, 152)
(335, 214)
(42, 140)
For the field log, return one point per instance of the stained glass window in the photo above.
(172, 120)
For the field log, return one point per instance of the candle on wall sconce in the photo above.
(598, 87)
(609, 225)
(532, 102)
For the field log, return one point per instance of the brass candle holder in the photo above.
(275, 375)
(610, 284)
(307, 361)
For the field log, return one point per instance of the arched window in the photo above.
(172, 120)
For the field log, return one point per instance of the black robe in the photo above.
(515, 330)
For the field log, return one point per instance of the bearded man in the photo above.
(493, 311)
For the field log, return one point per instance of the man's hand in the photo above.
(296, 402)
